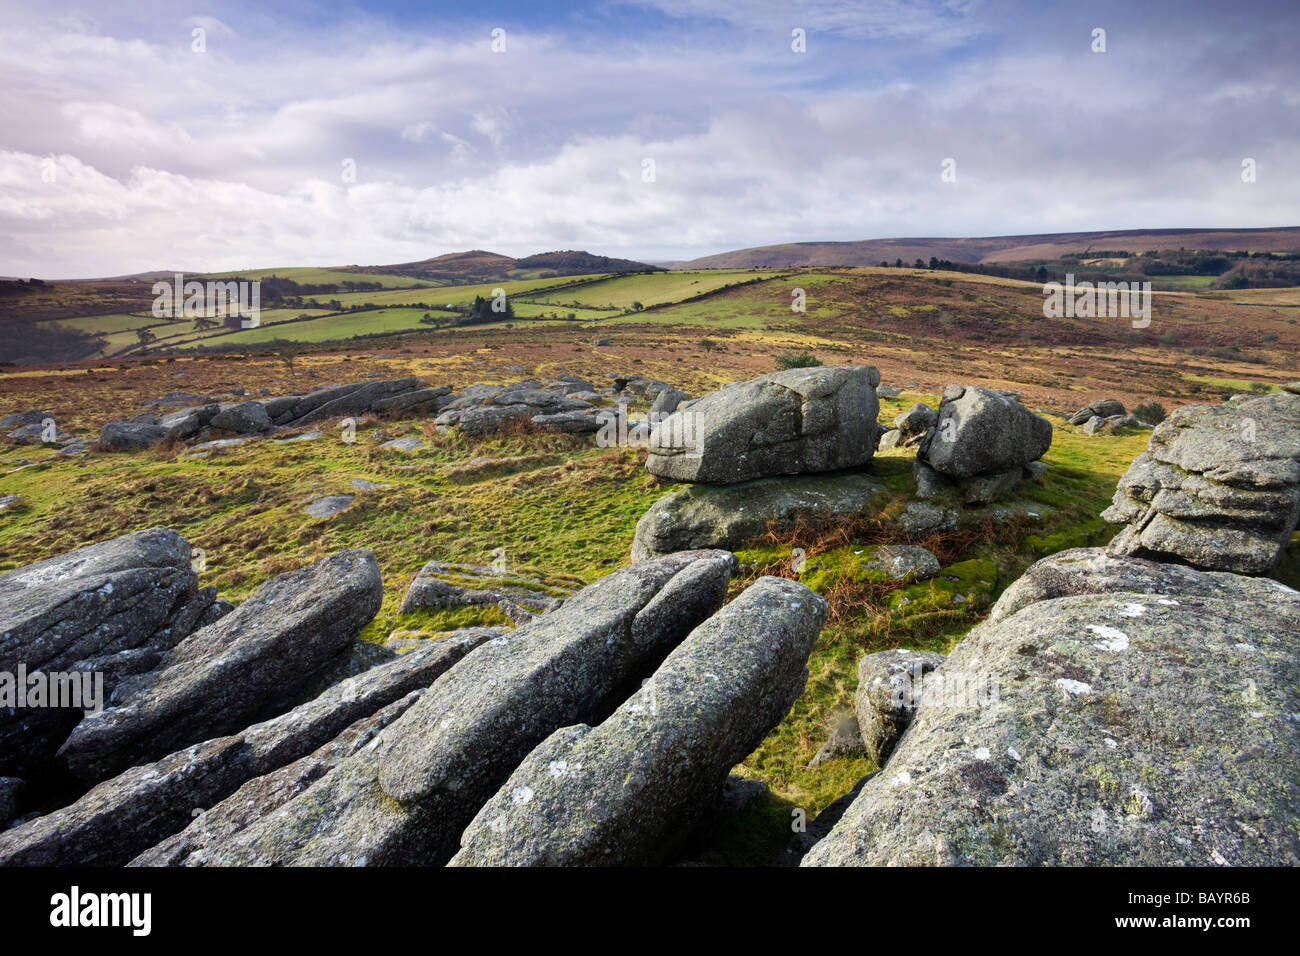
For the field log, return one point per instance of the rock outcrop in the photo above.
(131, 812)
(1218, 486)
(1149, 727)
(481, 409)
(631, 790)
(710, 516)
(129, 436)
(1096, 425)
(225, 675)
(979, 445)
(115, 608)
(910, 427)
(407, 798)
(890, 686)
(254, 417)
(1101, 408)
(788, 423)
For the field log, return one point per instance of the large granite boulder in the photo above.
(130, 436)
(1096, 571)
(264, 795)
(632, 790)
(421, 400)
(1101, 408)
(245, 418)
(787, 423)
(890, 686)
(982, 431)
(1218, 486)
(242, 668)
(339, 400)
(32, 416)
(979, 445)
(912, 424)
(1148, 727)
(112, 608)
(407, 798)
(129, 813)
(709, 516)
(185, 423)
(483, 409)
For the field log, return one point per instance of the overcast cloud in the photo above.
(125, 150)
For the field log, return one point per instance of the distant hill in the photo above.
(1049, 246)
(478, 265)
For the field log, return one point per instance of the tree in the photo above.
(145, 336)
(898, 263)
(708, 345)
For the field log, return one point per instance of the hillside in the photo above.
(478, 265)
(871, 252)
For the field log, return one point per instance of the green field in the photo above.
(526, 309)
(654, 288)
(451, 294)
(1181, 282)
(327, 329)
(308, 275)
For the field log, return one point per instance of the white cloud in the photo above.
(166, 159)
(418, 132)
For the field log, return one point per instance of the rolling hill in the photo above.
(478, 265)
(870, 252)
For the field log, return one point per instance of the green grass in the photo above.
(328, 328)
(1182, 282)
(449, 294)
(117, 322)
(1237, 385)
(567, 517)
(311, 275)
(653, 288)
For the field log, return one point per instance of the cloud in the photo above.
(418, 132)
(169, 159)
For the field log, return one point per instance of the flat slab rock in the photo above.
(129, 813)
(408, 444)
(407, 798)
(327, 506)
(224, 676)
(631, 790)
(114, 607)
(1148, 727)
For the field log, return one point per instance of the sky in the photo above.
(167, 136)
